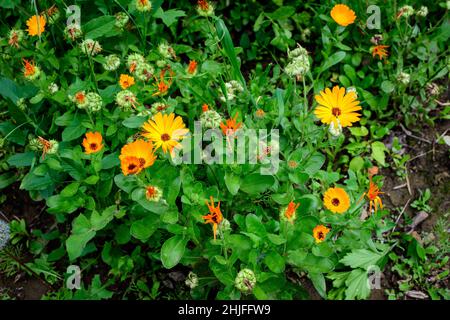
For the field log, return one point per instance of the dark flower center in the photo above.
(320, 235)
(165, 137)
(336, 112)
(132, 167)
(141, 162)
(93, 146)
(335, 202)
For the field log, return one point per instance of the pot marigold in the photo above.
(380, 51)
(92, 142)
(231, 126)
(165, 131)
(320, 233)
(36, 25)
(338, 107)
(343, 15)
(214, 217)
(136, 156)
(126, 81)
(289, 213)
(336, 200)
(373, 196)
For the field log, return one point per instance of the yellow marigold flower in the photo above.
(380, 51)
(214, 217)
(336, 200)
(230, 126)
(36, 25)
(320, 232)
(92, 142)
(343, 15)
(126, 81)
(338, 107)
(136, 156)
(165, 131)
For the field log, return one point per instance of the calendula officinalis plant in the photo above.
(128, 123)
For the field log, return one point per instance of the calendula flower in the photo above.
(231, 126)
(126, 81)
(90, 47)
(373, 196)
(112, 62)
(72, 32)
(405, 11)
(166, 51)
(320, 233)
(144, 72)
(204, 8)
(92, 142)
(214, 217)
(143, 5)
(292, 164)
(136, 156)
(153, 193)
(165, 131)
(30, 70)
(289, 213)
(15, 37)
(36, 25)
(403, 78)
(343, 15)
(95, 102)
(336, 200)
(80, 99)
(380, 51)
(335, 128)
(5, 234)
(245, 281)
(134, 60)
(163, 85)
(205, 107)
(121, 20)
(337, 105)
(126, 99)
(48, 147)
(192, 67)
(260, 113)
(298, 64)
(52, 14)
(210, 119)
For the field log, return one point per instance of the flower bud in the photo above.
(53, 88)
(403, 78)
(245, 281)
(121, 20)
(90, 47)
(192, 280)
(112, 62)
(210, 119)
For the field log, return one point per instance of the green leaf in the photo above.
(314, 163)
(335, 58)
(70, 190)
(233, 182)
(82, 233)
(34, 182)
(359, 131)
(100, 27)
(387, 86)
(275, 262)
(254, 225)
(7, 178)
(172, 251)
(99, 221)
(361, 258)
(73, 131)
(378, 149)
(319, 283)
(134, 122)
(256, 183)
(21, 159)
(144, 228)
(357, 285)
(356, 164)
(169, 17)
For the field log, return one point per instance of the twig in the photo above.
(400, 186)
(419, 156)
(401, 213)
(443, 104)
(407, 181)
(409, 134)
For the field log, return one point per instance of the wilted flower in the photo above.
(95, 102)
(335, 129)
(126, 99)
(53, 88)
(5, 234)
(31, 71)
(422, 12)
(53, 14)
(405, 11)
(380, 51)
(144, 71)
(211, 119)
(153, 193)
(121, 20)
(34, 144)
(204, 8)
(433, 89)
(298, 64)
(403, 78)
(72, 32)
(260, 113)
(15, 36)
(54, 146)
(232, 88)
(143, 5)
(112, 62)
(166, 51)
(289, 213)
(90, 47)
(245, 281)
(192, 280)
(134, 60)
(192, 67)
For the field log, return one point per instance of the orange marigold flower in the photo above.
(343, 15)
(336, 200)
(203, 5)
(373, 196)
(214, 217)
(29, 68)
(136, 156)
(126, 81)
(231, 126)
(80, 97)
(290, 212)
(192, 68)
(260, 113)
(162, 85)
(320, 232)
(380, 51)
(205, 107)
(92, 142)
(36, 25)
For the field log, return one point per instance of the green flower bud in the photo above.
(245, 281)
(192, 280)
